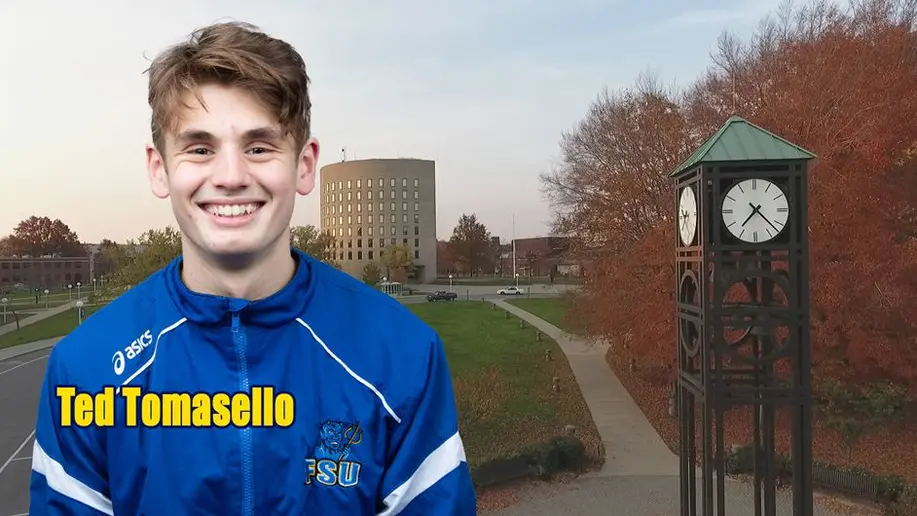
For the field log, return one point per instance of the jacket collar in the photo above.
(281, 308)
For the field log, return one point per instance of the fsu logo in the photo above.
(331, 463)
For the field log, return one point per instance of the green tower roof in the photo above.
(741, 140)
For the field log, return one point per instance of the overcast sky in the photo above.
(483, 87)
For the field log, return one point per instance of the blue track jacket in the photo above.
(374, 430)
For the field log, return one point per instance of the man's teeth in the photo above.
(231, 210)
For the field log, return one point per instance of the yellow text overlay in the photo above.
(261, 407)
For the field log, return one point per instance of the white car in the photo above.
(511, 291)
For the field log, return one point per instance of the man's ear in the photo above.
(156, 169)
(305, 170)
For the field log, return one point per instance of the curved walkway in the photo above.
(640, 474)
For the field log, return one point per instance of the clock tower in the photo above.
(742, 314)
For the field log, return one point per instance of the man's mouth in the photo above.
(232, 210)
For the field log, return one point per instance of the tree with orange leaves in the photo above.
(840, 83)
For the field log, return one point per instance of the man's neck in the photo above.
(261, 277)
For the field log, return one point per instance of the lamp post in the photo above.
(517, 280)
(93, 284)
(79, 285)
(46, 298)
(79, 312)
(69, 292)
(3, 303)
(450, 283)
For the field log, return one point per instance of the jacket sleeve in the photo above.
(68, 466)
(427, 474)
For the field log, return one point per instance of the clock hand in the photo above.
(768, 221)
(752, 214)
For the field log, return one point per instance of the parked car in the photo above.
(442, 295)
(511, 291)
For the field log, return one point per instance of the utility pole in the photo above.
(514, 245)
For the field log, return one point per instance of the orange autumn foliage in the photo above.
(840, 83)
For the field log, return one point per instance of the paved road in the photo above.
(20, 382)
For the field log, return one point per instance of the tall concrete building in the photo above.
(374, 203)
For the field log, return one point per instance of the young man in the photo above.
(362, 406)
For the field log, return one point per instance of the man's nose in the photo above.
(231, 171)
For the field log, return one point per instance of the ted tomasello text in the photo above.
(261, 407)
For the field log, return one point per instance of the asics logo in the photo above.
(120, 358)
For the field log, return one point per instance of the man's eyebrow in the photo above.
(263, 133)
(194, 135)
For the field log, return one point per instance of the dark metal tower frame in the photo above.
(729, 351)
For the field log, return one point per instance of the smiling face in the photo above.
(232, 174)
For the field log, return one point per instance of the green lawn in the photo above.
(551, 309)
(54, 326)
(503, 383)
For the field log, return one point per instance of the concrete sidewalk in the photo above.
(32, 319)
(632, 446)
(640, 474)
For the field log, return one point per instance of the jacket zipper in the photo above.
(245, 437)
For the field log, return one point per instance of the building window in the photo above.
(349, 231)
(404, 218)
(381, 194)
(416, 206)
(340, 208)
(394, 241)
(340, 220)
(370, 254)
(394, 195)
(416, 242)
(359, 183)
(359, 242)
(404, 241)
(392, 206)
(404, 181)
(381, 183)
(404, 231)
(416, 195)
(340, 196)
(340, 185)
(349, 208)
(369, 195)
(391, 182)
(348, 196)
(404, 194)
(404, 206)
(416, 218)
(381, 206)
(416, 230)
(358, 195)
(350, 219)
(340, 232)
(381, 244)
(350, 255)
(370, 229)
(381, 219)
(349, 186)
(359, 217)
(416, 254)
(332, 187)
(393, 233)
(369, 206)
(359, 255)
(392, 218)
(359, 208)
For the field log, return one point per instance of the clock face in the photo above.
(687, 215)
(755, 210)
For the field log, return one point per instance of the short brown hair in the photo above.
(231, 54)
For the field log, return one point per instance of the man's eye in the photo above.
(200, 151)
(257, 150)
